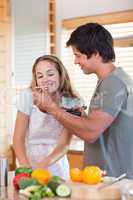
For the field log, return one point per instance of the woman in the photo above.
(40, 141)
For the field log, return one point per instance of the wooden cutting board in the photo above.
(82, 191)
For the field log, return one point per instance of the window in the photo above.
(123, 37)
(30, 40)
(124, 58)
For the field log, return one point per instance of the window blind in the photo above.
(85, 84)
(27, 48)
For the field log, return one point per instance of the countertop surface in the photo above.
(80, 191)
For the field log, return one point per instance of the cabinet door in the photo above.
(75, 159)
(1, 13)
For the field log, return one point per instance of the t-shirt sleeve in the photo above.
(24, 101)
(110, 96)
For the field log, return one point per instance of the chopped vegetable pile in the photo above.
(39, 183)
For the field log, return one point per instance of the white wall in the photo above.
(77, 8)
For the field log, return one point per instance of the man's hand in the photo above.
(43, 100)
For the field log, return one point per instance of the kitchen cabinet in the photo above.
(75, 158)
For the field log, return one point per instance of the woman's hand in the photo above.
(44, 164)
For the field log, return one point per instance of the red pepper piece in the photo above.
(17, 178)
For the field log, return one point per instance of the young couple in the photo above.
(44, 126)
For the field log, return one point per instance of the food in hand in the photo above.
(74, 111)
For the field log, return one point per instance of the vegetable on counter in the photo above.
(18, 178)
(89, 175)
(26, 182)
(41, 175)
(59, 187)
(25, 170)
(39, 183)
(63, 190)
(37, 192)
(27, 191)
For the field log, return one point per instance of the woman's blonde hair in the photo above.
(65, 87)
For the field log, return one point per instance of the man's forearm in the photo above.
(80, 126)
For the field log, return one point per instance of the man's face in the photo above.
(87, 65)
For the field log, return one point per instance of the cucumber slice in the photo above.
(63, 190)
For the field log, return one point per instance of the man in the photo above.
(108, 129)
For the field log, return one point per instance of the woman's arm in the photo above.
(59, 151)
(21, 126)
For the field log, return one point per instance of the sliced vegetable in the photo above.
(40, 192)
(53, 184)
(59, 187)
(63, 190)
(49, 193)
(32, 188)
(46, 191)
(25, 193)
(25, 182)
(17, 179)
(25, 170)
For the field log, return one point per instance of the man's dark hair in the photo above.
(92, 38)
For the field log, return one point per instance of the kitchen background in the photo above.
(32, 28)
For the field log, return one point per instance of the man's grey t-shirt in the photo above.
(113, 151)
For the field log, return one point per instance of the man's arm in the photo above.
(88, 128)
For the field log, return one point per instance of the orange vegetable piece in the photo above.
(92, 175)
(41, 175)
(76, 174)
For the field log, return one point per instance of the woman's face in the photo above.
(47, 76)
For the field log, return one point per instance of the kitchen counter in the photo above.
(80, 191)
